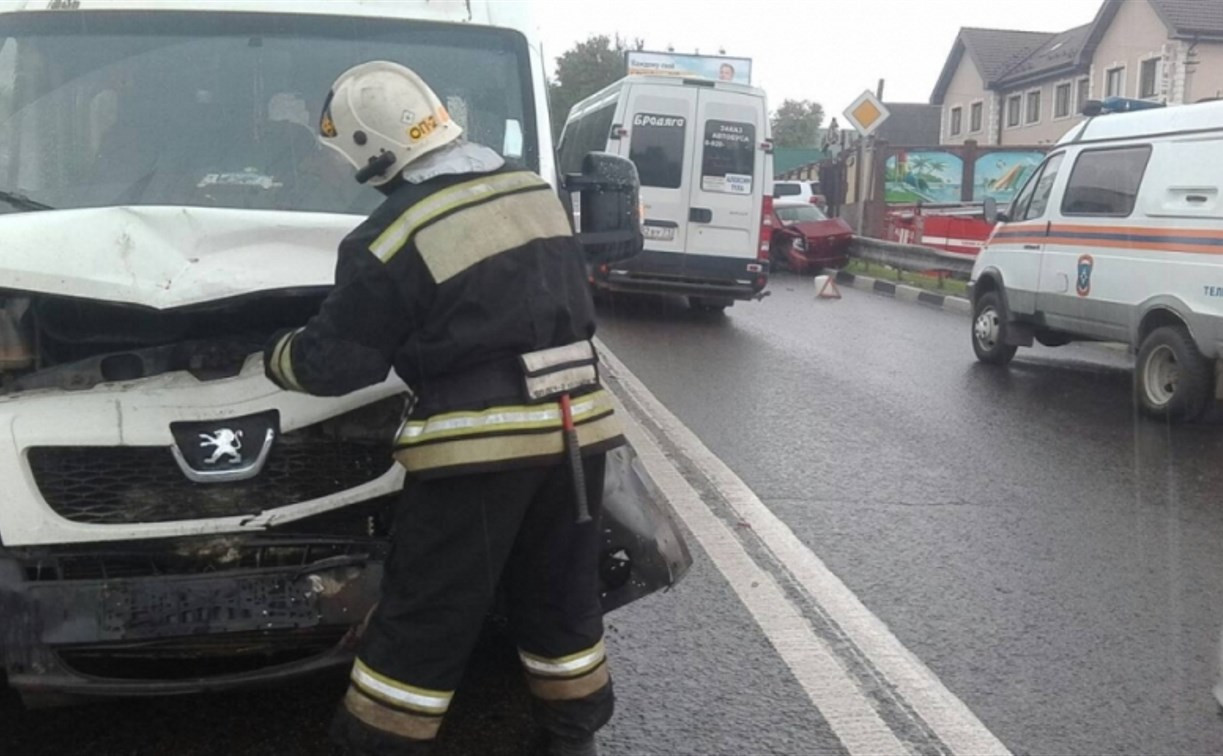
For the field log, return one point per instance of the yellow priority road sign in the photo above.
(867, 113)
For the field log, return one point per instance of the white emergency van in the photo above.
(1118, 236)
(703, 152)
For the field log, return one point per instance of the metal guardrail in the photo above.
(911, 257)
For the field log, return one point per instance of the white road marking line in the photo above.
(946, 715)
(837, 697)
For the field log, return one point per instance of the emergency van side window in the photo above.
(1043, 188)
(8, 81)
(585, 134)
(1019, 205)
(729, 157)
(657, 148)
(8, 72)
(1105, 182)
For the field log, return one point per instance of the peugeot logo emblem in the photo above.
(224, 453)
(224, 443)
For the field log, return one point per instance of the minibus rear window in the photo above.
(729, 158)
(657, 148)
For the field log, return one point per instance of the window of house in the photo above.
(1148, 78)
(1081, 94)
(957, 121)
(1061, 101)
(1033, 107)
(974, 117)
(1014, 104)
(1114, 81)
(1105, 182)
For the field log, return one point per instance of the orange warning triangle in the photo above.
(829, 290)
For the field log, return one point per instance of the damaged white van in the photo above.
(169, 520)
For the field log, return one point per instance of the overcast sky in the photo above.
(822, 50)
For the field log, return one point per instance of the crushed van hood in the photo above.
(167, 257)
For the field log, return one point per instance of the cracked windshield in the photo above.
(650, 378)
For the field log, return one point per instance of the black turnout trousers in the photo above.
(455, 540)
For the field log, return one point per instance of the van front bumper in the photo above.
(210, 613)
(110, 623)
(653, 272)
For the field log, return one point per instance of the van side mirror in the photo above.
(610, 207)
(989, 210)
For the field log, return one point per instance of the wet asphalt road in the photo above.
(1054, 559)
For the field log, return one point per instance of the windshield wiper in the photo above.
(22, 202)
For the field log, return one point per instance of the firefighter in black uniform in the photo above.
(468, 282)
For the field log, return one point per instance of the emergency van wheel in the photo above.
(1172, 378)
(988, 329)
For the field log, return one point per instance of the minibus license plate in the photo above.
(659, 233)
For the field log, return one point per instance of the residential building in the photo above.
(1006, 87)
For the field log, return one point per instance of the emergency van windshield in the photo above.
(204, 109)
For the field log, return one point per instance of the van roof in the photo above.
(688, 81)
(483, 12)
(606, 93)
(1205, 116)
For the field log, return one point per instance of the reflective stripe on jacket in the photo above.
(476, 441)
(450, 278)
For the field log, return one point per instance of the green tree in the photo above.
(796, 123)
(583, 70)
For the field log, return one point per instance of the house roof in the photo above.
(992, 51)
(996, 51)
(1061, 52)
(1191, 18)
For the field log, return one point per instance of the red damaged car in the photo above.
(806, 240)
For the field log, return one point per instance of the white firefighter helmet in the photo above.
(381, 116)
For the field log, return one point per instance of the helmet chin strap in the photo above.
(375, 167)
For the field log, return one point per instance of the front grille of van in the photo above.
(139, 484)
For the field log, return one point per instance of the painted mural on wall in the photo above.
(1001, 174)
(923, 176)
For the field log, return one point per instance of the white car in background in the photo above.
(805, 191)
